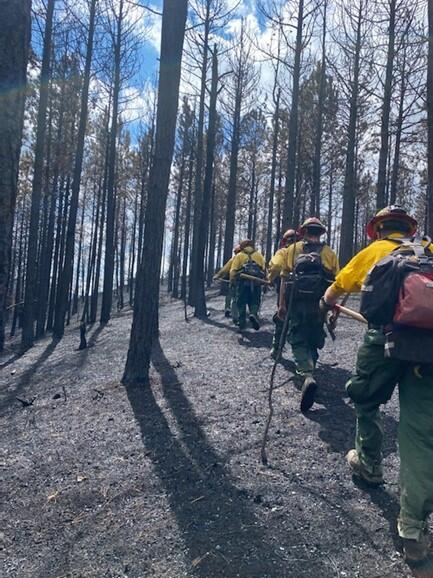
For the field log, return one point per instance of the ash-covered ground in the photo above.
(166, 481)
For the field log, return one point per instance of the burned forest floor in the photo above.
(166, 481)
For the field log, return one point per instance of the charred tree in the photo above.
(65, 277)
(147, 301)
(32, 264)
(386, 109)
(14, 47)
(200, 298)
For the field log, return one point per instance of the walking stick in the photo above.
(283, 337)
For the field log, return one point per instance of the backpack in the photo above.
(252, 268)
(311, 278)
(399, 288)
(398, 294)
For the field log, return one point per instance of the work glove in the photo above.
(324, 307)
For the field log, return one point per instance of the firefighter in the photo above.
(372, 385)
(251, 262)
(312, 265)
(275, 266)
(230, 308)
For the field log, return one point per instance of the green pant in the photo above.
(306, 335)
(230, 302)
(372, 385)
(247, 294)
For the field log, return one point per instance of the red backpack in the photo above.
(410, 337)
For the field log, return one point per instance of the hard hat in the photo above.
(313, 223)
(245, 243)
(391, 213)
(289, 234)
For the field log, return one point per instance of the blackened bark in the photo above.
(212, 239)
(430, 121)
(198, 188)
(386, 108)
(293, 123)
(107, 294)
(232, 192)
(65, 277)
(147, 302)
(32, 265)
(183, 291)
(315, 194)
(348, 218)
(275, 136)
(200, 298)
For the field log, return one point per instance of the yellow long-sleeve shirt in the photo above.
(276, 264)
(241, 258)
(327, 255)
(224, 272)
(351, 278)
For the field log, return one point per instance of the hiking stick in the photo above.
(283, 337)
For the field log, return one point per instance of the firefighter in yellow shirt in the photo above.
(372, 385)
(248, 293)
(230, 308)
(275, 266)
(314, 265)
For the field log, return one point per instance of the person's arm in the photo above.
(225, 270)
(235, 266)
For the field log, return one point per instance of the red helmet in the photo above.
(245, 243)
(312, 223)
(391, 213)
(289, 236)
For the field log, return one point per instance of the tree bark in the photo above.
(107, 294)
(315, 193)
(14, 47)
(65, 278)
(147, 302)
(200, 298)
(293, 123)
(348, 218)
(386, 108)
(32, 265)
(430, 121)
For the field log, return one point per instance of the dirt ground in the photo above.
(100, 481)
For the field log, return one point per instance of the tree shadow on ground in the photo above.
(223, 536)
(28, 374)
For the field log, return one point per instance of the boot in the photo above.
(360, 471)
(227, 313)
(254, 321)
(416, 551)
(308, 392)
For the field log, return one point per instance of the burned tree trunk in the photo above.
(147, 302)
(32, 265)
(65, 278)
(14, 46)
